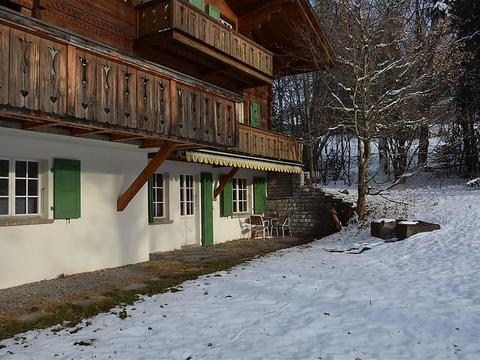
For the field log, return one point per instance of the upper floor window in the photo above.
(187, 193)
(19, 187)
(239, 196)
(240, 112)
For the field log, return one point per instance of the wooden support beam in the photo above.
(225, 180)
(125, 137)
(33, 126)
(143, 177)
(86, 132)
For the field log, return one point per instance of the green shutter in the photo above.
(66, 184)
(150, 200)
(207, 209)
(213, 11)
(226, 200)
(259, 195)
(198, 3)
(255, 114)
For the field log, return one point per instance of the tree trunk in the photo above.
(469, 146)
(364, 153)
(383, 156)
(423, 144)
(400, 155)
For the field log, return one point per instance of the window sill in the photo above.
(241, 215)
(12, 221)
(161, 222)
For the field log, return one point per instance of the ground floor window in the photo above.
(187, 193)
(240, 195)
(19, 187)
(158, 196)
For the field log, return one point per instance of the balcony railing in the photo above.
(264, 143)
(163, 15)
(51, 75)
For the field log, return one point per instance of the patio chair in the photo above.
(258, 224)
(284, 224)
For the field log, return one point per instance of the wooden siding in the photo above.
(42, 75)
(160, 16)
(111, 22)
(264, 143)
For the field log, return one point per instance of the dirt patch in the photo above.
(68, 300)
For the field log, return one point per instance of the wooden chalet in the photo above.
(131, 127)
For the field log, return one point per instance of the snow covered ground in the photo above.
(415, 299)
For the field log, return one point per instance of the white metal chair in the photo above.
(284, 225)
(258, 224)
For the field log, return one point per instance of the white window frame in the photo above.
(240, 196)
(187, 195)
(240, 113)
(12, 196)
(155, 200)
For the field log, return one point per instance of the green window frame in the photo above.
(67, 189)
(198, 4)
(213, 11)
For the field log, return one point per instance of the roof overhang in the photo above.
(284, 27)
(217, 158)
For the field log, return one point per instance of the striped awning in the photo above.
(241, 162)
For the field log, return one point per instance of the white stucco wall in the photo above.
(102, 237)
(166, 237)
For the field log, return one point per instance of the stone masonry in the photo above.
(309, 208)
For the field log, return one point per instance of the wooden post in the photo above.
(141, 179)
(224, 182)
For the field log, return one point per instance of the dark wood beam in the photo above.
(225, 180)
(143, 177)
(38, 125)
(86, 132)
(125, 137)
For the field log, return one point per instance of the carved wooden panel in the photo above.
(230, 123)
(127, 96)
(219, 120)
(85, 82)
(24, 70)
(107, 77)
(182, 111)
(208, 118)
(4, 63)
(145, 101)
(194, 123)
(53, 77)
(162, 94)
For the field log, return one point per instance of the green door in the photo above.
(207, 209)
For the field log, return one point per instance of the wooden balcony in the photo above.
(50, 78)
(268, 144)
(180, 35)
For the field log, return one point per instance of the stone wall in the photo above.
(309, 208)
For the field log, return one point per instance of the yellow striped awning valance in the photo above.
(240, 162)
